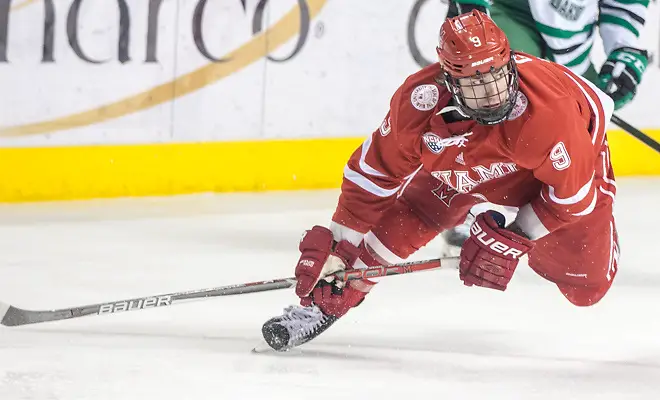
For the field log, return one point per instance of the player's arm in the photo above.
(377, 170)
(373, 176)
(620, 24)
(562, 153)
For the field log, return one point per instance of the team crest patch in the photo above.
(425, 97)
(519, 107)
(436, 144)
(433, 142)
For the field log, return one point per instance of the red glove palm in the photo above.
(491, 254)
(333, 300)
(322, 256)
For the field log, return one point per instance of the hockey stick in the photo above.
(14, 316)
(647, 140)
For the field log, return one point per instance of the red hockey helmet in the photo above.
(478, 67)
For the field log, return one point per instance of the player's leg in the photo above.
(515, 19)
(581, 259)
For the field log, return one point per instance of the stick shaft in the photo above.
(647, 140)
(396, 269)
(14, 316)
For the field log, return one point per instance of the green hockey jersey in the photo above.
(569, 27)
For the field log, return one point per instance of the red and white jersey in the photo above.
(550, 157)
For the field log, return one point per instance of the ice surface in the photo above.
(417, 336)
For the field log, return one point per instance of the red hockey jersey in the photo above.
(550, 157)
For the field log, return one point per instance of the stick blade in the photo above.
(4, 310)
(14, 316)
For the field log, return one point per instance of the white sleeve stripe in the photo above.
(576, 198)
(594, 109)
(635, 8)
(607, 192)
(624, 16)
(565, 58)
(590, 208)
(412, 174)
(581, 68)
(606, 163)
(614, 256)
(608, 108)
(383, 252)
(530, 223)
(363, 164)
(368, 185)
(409, 179)
(605, 101)
(559, 43)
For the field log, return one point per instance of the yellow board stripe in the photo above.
(63, 173)
(630, 157)
(58, 173)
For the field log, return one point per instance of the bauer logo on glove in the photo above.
(306, 263)
(490, 255)
(493, 244)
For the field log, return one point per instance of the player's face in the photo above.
(489, 90)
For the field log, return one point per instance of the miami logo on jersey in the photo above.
(462, 182)
(455, 182)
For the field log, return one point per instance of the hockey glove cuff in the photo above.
(622, 73)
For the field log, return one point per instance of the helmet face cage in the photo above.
(489, 97)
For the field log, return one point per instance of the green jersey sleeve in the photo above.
(620, 23)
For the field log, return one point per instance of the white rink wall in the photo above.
(332, 76)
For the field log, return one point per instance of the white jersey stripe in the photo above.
(594, 109)
(576, 198)
(383, 252)
(368, 185)
(607, 192)
(363, 164)
(590, 208)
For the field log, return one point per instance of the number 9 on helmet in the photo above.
(478, 67)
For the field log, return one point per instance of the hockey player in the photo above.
(483, 124)
(564, 31)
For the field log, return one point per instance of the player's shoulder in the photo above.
(422, 92)
(546, 95)
(543, 82)
(545, 109)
